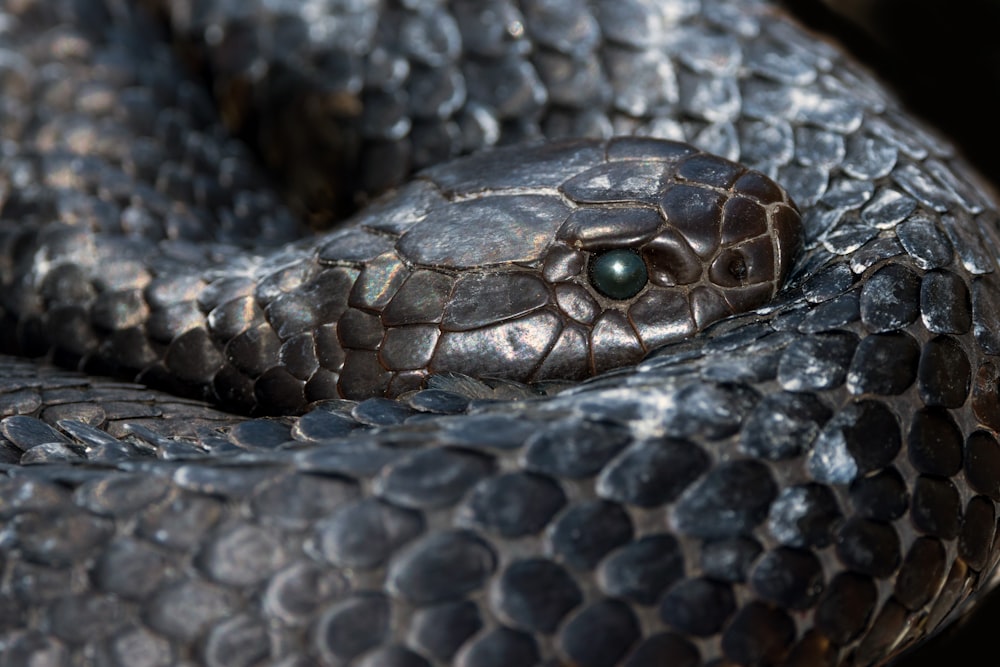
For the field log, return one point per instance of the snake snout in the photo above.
(714, 239)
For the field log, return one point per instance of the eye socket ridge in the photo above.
(618, 274)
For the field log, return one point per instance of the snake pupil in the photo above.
(618, 274)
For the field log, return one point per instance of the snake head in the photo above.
(552, 262)
(673, 239)
(563, 260)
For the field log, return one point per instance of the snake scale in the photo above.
(789, 454)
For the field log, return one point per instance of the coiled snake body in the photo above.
(811, 481)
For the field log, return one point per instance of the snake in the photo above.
(690, 360)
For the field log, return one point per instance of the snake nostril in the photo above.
(618, 274)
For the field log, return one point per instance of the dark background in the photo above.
(943, 58)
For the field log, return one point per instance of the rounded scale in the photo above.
(635, 243)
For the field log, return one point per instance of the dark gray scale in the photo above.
(353, 626)
(715, 410)
(829, 283)
(935, 507)
(969, 245)
(500, 646)
(513, 504)
(792, 578)
(887, 208)
(307, 496)
(925, 242)
(882, 496)
(405, 483)
(381, 412)
(846, 607)
(441, 567)
(833, 314)
(642, 570)
(120, 496)
(668, 467)
(184, 523)
(409, 348)
(131, 568)
(439, 401)
(884, 364)
(302, 589)
(730, 500)
(441, 630)
(320, 425)
(806, 184)
(365, 534)
(421, 299)
(869, 547)
(889, 299)
(981, 457)
(847, 194)
(601, 634)
(573, 449)
(874, 252)
(607, 526)
(664, 648)
(213, 603)
(477, 300)
(985, 392)
(74, 619)
(535, 595)
(639, 181)
(978, 530)
(26, 432)
(758, 633)
(944, 375)
(476, 431)
(393, 656)
(934, 443)
(847, 237)
(945, 304)
(52, 541)
(698, 606)
(921, 573)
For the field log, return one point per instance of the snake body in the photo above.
(811, 481)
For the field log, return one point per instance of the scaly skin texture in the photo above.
(811, 483)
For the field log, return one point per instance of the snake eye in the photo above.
(618, 274)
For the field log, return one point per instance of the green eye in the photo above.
(618, 274)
